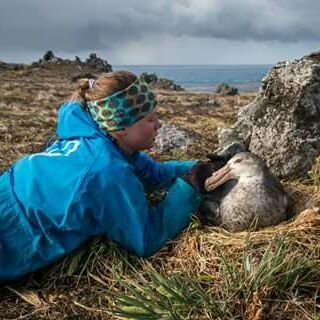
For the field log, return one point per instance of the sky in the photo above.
(126, 32)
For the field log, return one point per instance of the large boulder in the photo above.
(171, 138)
(282, 124)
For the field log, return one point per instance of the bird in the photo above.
(244, 194)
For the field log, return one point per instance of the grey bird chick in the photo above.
(244, 194)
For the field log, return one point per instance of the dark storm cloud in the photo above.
(285, 21)
(76, 25)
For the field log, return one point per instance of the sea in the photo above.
(205, 78)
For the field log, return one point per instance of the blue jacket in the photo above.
(84, 185)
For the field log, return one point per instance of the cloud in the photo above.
(75, 26)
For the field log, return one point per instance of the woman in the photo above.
(93, 180)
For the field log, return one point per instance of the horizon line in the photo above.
(200, 64)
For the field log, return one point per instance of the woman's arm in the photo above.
(154, 174)
(128, 220)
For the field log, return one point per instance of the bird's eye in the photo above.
(237, 160)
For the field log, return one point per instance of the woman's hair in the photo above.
(104, 86)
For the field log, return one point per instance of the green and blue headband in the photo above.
(123, 108)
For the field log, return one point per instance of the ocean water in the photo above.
(246, 78)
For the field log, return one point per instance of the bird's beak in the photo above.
(218, 178)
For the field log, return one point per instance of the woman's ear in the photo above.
(119, 133)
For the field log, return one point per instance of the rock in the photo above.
(160, 83)
(93, 64)
(170, 137)
(230, 143)
(98, 64)
(212, 103)
(48, 56)
(77, 60)
(12, 66)
(282, 124)
(167, 84)
(149, 77)
(315, 56)
(225, 90)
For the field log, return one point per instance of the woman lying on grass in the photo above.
(93, 180)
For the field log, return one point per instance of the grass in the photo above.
(314, 173)
(237, 290)
(207, 273)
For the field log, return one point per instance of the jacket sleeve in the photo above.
(154, 174)
(129, 220)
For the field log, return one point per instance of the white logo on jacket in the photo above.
(68, 147)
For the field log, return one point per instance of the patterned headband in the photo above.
(123, 108)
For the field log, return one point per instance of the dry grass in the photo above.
(206, 273)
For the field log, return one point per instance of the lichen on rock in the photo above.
(281, 125)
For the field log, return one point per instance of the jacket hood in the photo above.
(74, 121)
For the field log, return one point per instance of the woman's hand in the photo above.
(200, 172)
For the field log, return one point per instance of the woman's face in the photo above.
(141, 135)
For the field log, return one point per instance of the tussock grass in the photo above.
(242, 287)
(207, 273)
(314, 173)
